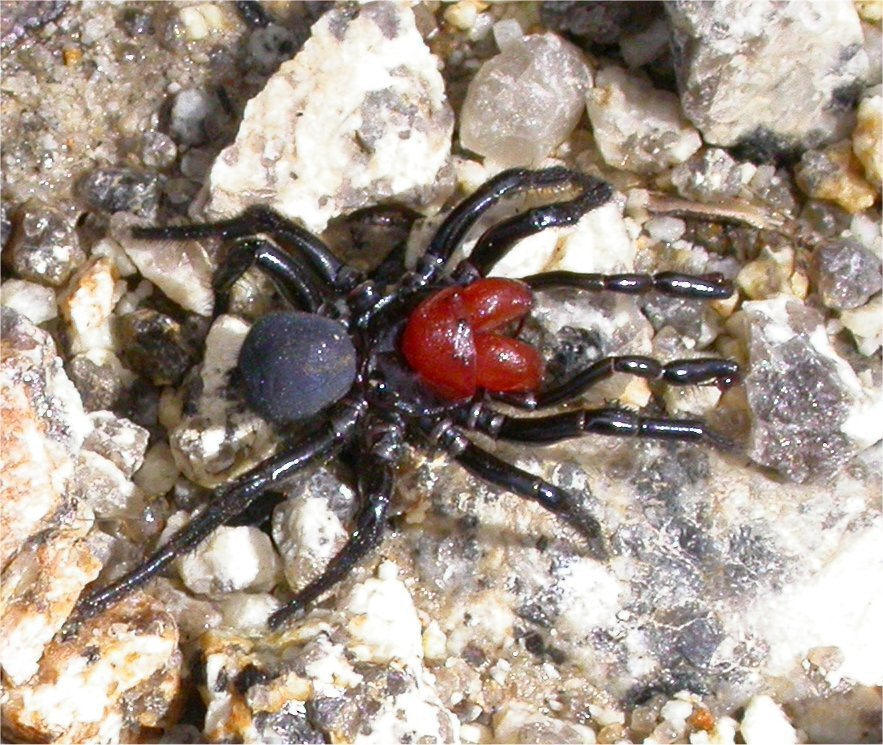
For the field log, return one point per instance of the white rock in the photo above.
(489, 618)
(636, 126)
(158, 472)
(118, 439)
(599, 242)
(248, 611)
(760, 68)
(519, 722)
(765, 722)
(384, 624)
(866, 325)
(221, 438)
(525, 101)
(35, 302)
(181, 269)
(231, 559)
(358, 116)
(308, 533)
(87, 305)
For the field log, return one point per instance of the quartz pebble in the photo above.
(710, 176)
(157, 150)
(767, 74)
(44, 247)
(100, 378)
(866, 325)
(34, 301)
(366, 93)
(87, 306)
(636, 126)
(191, 116)
(307, 531)
(764, 721)
(181, 269)
(525, 101)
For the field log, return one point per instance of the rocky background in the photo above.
(741, 599)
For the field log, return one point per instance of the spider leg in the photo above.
(495, 242)
(488, 467)
(702, 286)
(374, 488)
(292, 277)
(721, 372)
(262, 219)
(231, 502)
(609, 420)
(451, 232)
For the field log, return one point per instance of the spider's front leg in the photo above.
(374, 488)
(609, 420)
(260, 219)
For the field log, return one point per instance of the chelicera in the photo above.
(370, 364)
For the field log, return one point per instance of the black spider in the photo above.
(340, 362)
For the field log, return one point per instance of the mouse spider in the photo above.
(422, 359)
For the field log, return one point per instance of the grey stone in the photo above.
(847, 273)
(601, 23)
(807, 405)
(772, 72)
(121, 190)
(5, 224)
(710, 175)
(191, 116)
(100, 378)
(273, 44)
(45, 247)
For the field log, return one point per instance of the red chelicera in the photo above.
(450, 340)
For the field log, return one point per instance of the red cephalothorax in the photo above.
(450, 340)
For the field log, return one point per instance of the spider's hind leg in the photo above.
(374, 489)
(488, 467)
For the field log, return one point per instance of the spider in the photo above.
(374, 364)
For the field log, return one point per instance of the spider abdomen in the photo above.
(293, 365)
(451, 342)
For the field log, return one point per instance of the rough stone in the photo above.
(87, 305)
(35, 302)
(114, 680)
(636, 126)
(525, 101)
(867, 140)
(100, 378)
(219, 438)
(307, 530)
(181, 269)
(366, 93)
(836, 174)
(121, 190)
(39, 589)
(43, 428)
(810, 412)
(847, 273)
(155, 346)
(119, 440)
(192, 113)
(44, 247)
(230, 560)
(770, 72)
(764, 721)
(866, 325)
(710, 176)
(106, 489)
(157, 150)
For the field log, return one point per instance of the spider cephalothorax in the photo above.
(422, 359)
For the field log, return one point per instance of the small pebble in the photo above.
(154, 345)
(190, 116)
(836, 174)
(121, 190)
(33, 301)
(158, 150)
(45, 248)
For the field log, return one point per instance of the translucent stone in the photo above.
(525, 101)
